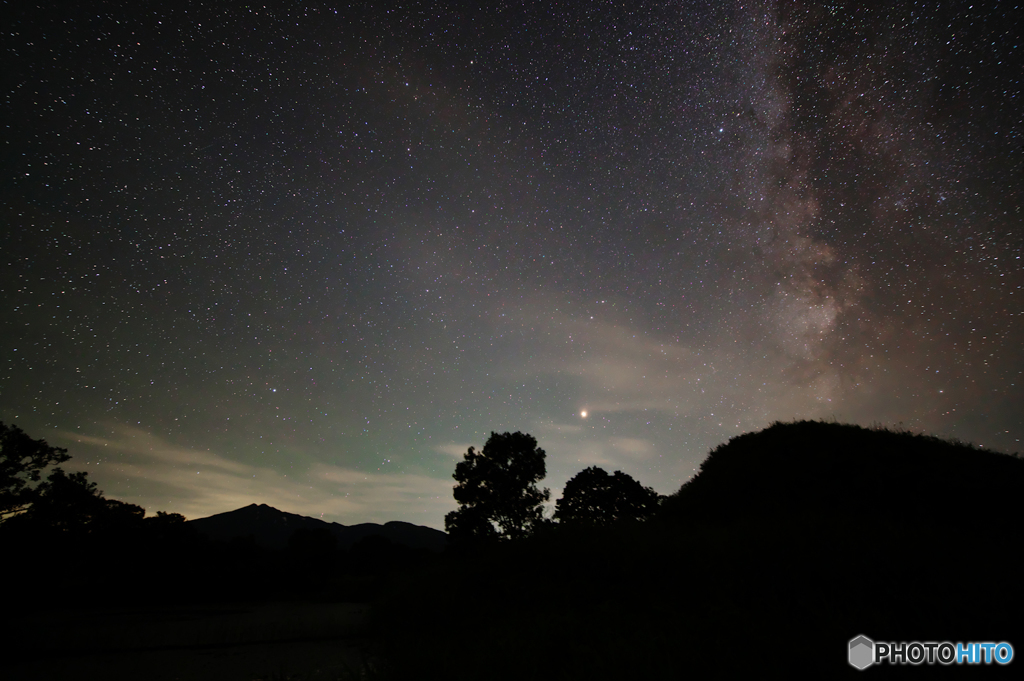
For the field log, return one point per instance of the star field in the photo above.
(307, 255)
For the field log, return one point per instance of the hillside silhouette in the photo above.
(272, 529)
(846, 470)
(253, 554)
(788, 543)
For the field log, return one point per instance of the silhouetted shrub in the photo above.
(593, 497)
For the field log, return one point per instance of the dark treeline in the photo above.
(166, 562)
(787, 544)
(65, 545)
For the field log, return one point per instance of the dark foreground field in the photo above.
(238, 642)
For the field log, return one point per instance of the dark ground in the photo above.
(234, 642)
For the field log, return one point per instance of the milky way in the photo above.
(308, 256)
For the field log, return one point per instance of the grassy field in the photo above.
(277, 641)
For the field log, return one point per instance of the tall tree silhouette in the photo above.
(595, 498)
(497, 489)
(22, 461)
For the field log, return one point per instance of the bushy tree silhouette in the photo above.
(595, 498)
(71, 504)
(22, 461)
(63, 503)
(65, 544)
(497, 489)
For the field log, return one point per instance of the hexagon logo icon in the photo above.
(862, 652)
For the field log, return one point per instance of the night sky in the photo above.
(308, 254)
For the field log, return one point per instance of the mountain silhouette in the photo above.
(271, 529)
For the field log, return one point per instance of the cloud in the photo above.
(616, 366)
(634, 448)
(550, 427)
(138, 466)
(454, 449)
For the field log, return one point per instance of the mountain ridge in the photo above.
(271, 528)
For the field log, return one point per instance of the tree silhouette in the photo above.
(63, 503)
(22, 461)
(497, 489)
(595, 498)
(71, 504)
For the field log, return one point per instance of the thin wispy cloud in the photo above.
(199, 483)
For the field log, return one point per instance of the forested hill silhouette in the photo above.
(816, 467)
(272, 529)
(786, 545)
